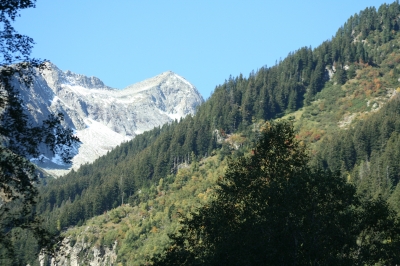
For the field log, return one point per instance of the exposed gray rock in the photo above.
(103, 117)
(81, 253)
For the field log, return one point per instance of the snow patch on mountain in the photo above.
(104, 117)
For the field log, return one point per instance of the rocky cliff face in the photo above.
(77, 253)
(103, 117)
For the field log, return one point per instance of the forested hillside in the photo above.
(341, 97)
(267, 93)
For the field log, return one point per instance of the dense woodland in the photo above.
(273, 208)
(314, 88)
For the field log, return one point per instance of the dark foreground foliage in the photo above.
(19, 140)
(271, 208)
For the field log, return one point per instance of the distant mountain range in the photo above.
(101, 116)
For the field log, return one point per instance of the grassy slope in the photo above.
(142, 230)
(337, 107)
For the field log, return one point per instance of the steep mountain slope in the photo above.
(296, 83)
(329, 92)
(103, 117)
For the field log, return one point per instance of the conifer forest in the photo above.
(295, 164)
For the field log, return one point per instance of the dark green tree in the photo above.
(340, 74)
(19, 140)
(271, 208)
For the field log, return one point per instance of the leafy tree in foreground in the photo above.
(271, 208)
(19, 139)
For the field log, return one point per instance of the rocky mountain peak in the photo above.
(104, 117)
(56, 76)
(84, 81)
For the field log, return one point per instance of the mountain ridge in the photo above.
(101, 114)
(156, 166)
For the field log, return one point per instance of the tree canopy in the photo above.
(19, 139)
(272, 208)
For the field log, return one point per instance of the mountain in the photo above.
(343, 100)
(103, 117)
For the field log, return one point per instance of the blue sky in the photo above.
(126, 41)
